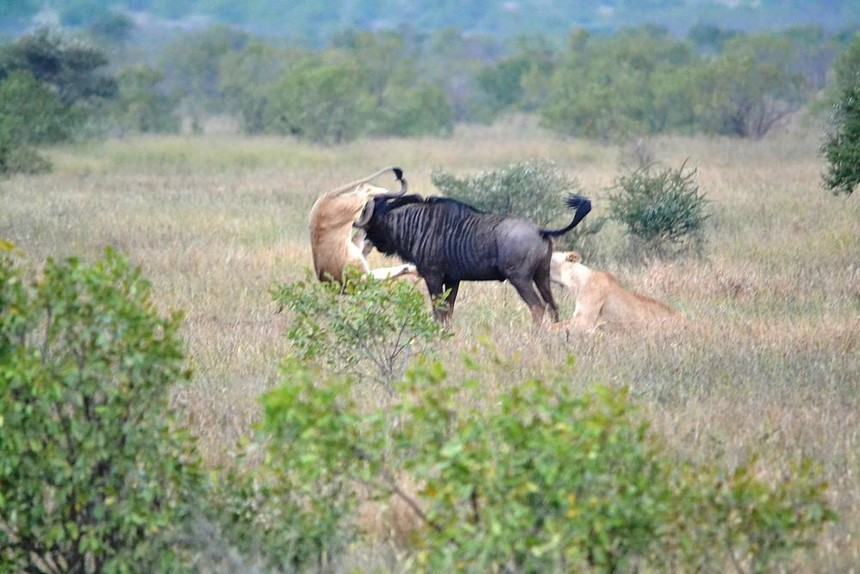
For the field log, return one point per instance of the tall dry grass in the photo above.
(770, 360)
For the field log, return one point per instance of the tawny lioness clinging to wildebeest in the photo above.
(331, 227)
(449, 241)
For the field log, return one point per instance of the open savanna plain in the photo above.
(769, 361)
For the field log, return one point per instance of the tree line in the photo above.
(641, 81)
(312, 24)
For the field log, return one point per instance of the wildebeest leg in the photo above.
(452, 289)
(524, 288)
(435, 289)
(545, 290)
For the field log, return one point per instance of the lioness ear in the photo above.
(574, 257)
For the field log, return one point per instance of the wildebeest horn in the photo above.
(366, 214)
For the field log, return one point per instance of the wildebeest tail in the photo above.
(582, 206)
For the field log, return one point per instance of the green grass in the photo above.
(770, 360)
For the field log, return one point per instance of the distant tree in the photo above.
(111, 28)
(412, 111)
(30, 114)
(605, 87)
(141, 107)
(50, 84)
(709, 38)
(72, 67)
(451, 59)
(245, 78)
(813, 56)
(510, 83)
(673, 96)
(191, 67)
(750, 87)
(381, 56)
(847, 66)
(842, 146)
(367, 84)
(317, 99)
(406, 104)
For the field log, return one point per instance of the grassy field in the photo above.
(770, 360)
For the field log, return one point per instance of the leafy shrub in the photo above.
(94, 474)
(842, 148)
(662, 208)
(15, 159)
(292, 510)
(545, 480)
(365, 328)
(534, 191)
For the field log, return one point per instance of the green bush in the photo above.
(661, 208)
(15, 159)
(534, 191)
(291, 510)
(842, 148)
(94, 474)
(366, 328)
(544, 480)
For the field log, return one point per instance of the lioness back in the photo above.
(625, 306)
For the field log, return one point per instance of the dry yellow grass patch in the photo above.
(770, 361)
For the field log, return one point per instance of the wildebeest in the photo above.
(449, 241)
(331, 227)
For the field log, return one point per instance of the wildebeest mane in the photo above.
(439, 200)
(384, 206)
(577, 202)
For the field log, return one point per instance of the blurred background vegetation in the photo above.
(92, 68)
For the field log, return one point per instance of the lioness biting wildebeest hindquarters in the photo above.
(601, 300)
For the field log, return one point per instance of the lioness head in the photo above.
(561, 267)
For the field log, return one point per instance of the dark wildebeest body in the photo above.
(449, 241)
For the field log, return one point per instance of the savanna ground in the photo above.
(770, 360)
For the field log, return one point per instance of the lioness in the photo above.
(331, 228)
(601, 300)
